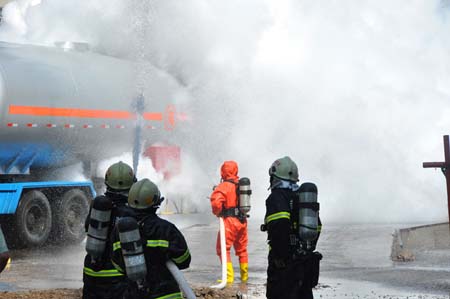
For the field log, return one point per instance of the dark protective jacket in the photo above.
(4, 252)
(161, 241)
(101, 279)
(285, 271)
(278, 223)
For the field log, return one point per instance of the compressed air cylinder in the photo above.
(99, 223)
(132, 249)
(308, 212)
(244, 195)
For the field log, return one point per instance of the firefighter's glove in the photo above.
(279, 263)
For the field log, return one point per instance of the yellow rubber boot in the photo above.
(244, 272)
(230, 273)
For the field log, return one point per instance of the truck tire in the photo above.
(69, 216)
(33, 220)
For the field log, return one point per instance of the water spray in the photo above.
(138, 108)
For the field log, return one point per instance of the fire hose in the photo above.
(223, 250)
(182, 283)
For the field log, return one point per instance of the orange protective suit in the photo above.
(224, 196)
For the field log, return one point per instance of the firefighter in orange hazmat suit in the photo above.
(224, 203)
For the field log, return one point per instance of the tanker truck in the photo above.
(61, 107)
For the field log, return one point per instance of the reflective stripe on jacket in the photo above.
(102, 273)
(159, 243)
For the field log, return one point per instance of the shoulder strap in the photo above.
(231, 181)
(294, 209)
(141, 221)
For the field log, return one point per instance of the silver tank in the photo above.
(99, 224)
(59, 107)
(308, 217)
(132, 248)
(244, 195)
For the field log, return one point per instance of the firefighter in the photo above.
(224, 203)
(160, 239)
(4, 252)
(293, 266)
(101, 279)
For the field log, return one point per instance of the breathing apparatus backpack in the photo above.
(243, 192)
(99, 223)
(308, 217)
(305, 232)
(132, 249)
(304, 219)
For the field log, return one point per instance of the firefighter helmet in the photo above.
(144, 194)
(285, 169)
(119, 176)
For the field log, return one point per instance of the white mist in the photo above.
(356, 92)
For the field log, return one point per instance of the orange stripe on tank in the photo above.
(69, 112)
(153, 116)
(82, 113)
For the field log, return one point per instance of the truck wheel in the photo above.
(69, 216)
(33, 220)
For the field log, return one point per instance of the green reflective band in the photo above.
(182, 258)
(157, 243)
(319, 228)
(101, 273)
(276, 216)
(172, 296)
(116, 246)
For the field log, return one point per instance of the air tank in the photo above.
(244, 195)
(308, 212)
(99, 223)
(59, 107)
(132, 248)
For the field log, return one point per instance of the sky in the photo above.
(355, 92)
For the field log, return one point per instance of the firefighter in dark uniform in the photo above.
(101, 279)
(292, 267)
(161, 241)
(4, 252)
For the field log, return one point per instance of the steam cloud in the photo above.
(356, 92)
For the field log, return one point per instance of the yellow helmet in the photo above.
(144, 194)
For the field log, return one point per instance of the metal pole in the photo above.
(445, 167)
(447, 171)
